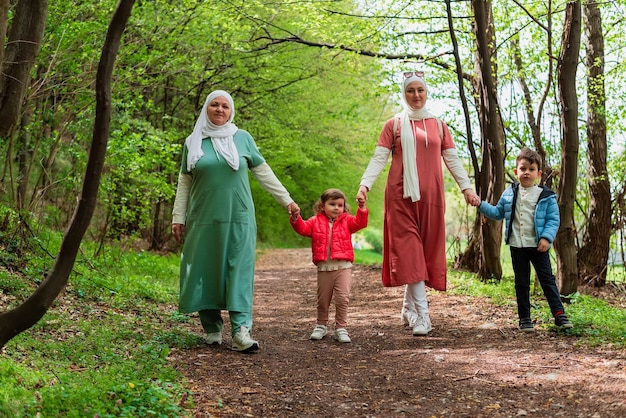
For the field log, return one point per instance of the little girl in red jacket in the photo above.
(331, 230)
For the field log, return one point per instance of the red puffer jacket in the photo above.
(317, 227)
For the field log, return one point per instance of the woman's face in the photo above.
(415, 95)
(219, 110)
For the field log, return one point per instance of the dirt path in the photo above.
(473, 364)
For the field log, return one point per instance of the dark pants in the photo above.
(522, 258)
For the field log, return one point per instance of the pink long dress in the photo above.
(414, 232)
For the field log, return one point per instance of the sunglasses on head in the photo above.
(408, 74)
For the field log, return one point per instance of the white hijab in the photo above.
(407, 138)
(221, 136)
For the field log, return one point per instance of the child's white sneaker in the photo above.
(242, 341)
(319, 332)
(342, 336)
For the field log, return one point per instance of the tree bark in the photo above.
(565, 242)
(470, 258)
(491, 180)
(4, 21)
(21, 50)
(27, 314)
(594, 252)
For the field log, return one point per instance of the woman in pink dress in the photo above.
(414, 222)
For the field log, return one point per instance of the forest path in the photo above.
(475, 363)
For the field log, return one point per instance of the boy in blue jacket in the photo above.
(532, 221)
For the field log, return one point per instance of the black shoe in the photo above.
(562, 321)
(526, 325)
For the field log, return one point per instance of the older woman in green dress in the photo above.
(214, 212)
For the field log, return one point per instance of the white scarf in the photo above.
(221, 136)
(407, 138)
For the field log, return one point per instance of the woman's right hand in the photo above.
(179, 231)
(361, 196)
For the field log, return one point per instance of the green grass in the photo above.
(368, 257)
(102, 348)
(595, 321)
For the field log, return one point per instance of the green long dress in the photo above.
(217, 263)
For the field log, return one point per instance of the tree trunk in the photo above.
(470, 258)
(565, 242)
(27, 314)
(4, 21)
(156, 243)
(24, 162)
(22, 48)
(492, 178)
(594, 252)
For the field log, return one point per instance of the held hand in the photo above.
(294, 210)
(361, 196)
(179, 231)
(471, 198)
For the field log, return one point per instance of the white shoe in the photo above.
(319, 332)
(342, 336)
(214, 338)
(408, 317)
(422, 325)
(242, 341)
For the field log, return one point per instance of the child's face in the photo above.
(527, 173)
(334, 207)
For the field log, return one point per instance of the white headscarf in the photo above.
(221, 136)
(407, 138)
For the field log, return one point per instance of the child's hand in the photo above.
(294, 210)
(361, 203)
(543, 246)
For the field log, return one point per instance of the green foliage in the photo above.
(374, 237)
(139, 172)
(173, 55)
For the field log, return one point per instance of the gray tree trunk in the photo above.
(594, 252)
(565, 242)
(22, 47)
(492, 178)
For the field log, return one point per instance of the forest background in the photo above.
(313, 82)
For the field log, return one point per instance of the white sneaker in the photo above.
(214, 338)
(342, 336)
(422, 325)
(242, 341)
(408, 317)
(319, 332)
